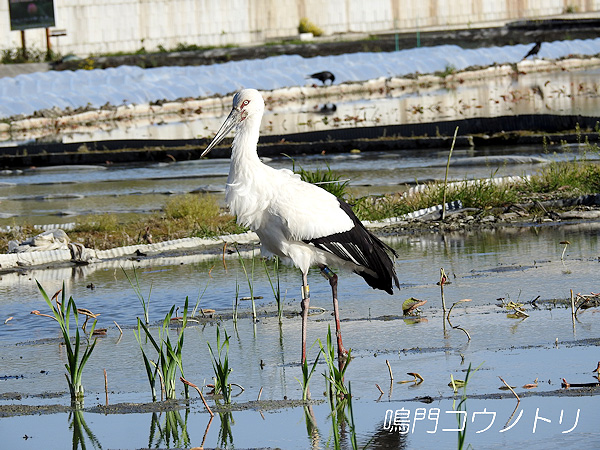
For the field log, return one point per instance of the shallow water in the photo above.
(256, 429)
(62, 194)
(517, 264)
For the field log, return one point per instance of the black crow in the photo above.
(323, 76)
(534, 50)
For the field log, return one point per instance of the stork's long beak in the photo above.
(232, 120)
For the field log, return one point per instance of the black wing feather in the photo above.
(360, 246)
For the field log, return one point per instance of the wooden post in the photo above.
(48, 43)
(23, 45)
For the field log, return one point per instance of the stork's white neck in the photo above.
(246, 175)
(244, 158)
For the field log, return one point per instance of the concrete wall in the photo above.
(105, 26)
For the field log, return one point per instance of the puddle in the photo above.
(491, 268)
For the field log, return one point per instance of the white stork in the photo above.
(295, 220)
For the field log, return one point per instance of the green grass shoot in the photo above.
(168, 355)
(138, 291)
(307, 375)
(250, 279)
(236, 302)
(275, 285)
(220, 362)
(334, 376)
(462, 405)
(327, 179)
(200, 295)
(76, 359)
(351, 419)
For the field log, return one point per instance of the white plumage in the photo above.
(295, 220)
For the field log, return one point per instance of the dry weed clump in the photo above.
(182, 216)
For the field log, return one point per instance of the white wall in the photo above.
(104, 26)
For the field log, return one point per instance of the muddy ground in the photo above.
(260, 405)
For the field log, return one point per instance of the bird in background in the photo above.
(327, 108)
(323, 77)
(298, 221)
(534, 50)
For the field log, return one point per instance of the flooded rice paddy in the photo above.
(64, 194)
(520, 264)
(491, 267)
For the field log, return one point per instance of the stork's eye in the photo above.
(245, 103)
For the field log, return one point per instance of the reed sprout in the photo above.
(462, 405)
(138, 291)
(236, 302)
(169, 355)
(307, 375)
(76, 358)
(338, 394)
(200, 295)
(334, 418)
(351, 419)
(335, 375)
(444, 192)
(338, 407)
(220, 362)
(250, 279)
(275, 285)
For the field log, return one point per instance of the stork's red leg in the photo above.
(304, 312)
(332, 277)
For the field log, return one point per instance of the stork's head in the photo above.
(249, 102)
(248, 105)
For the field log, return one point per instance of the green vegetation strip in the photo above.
(192, 215)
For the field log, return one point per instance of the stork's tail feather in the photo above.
(374, 259)
(382, 265)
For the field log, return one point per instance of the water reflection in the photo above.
(170, 431)
(506, 425)
(81, 432)
(326, 109)
(384, 439)
(225, 439)
(312, 429)
(387, 435)
(478, 260)
(501, 263)
(41, 196)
